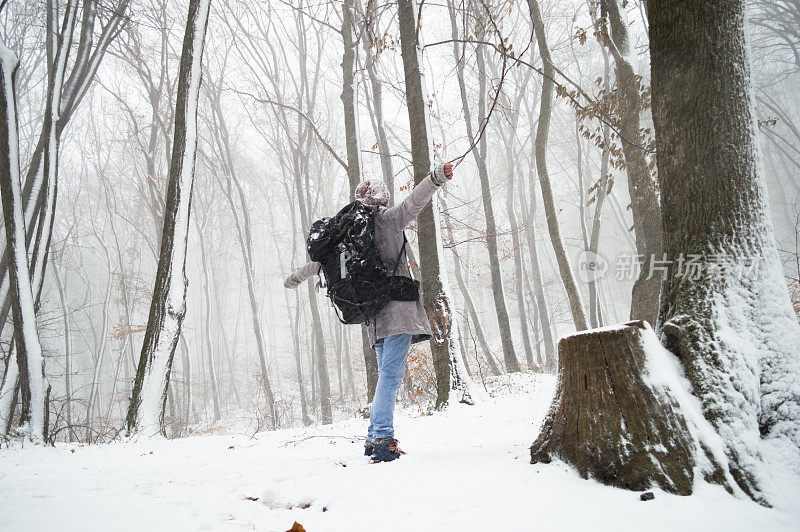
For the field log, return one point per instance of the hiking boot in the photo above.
(385, 450)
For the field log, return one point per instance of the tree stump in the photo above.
(608, 421)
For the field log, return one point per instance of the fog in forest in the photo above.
(272, 157)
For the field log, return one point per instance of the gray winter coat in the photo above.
(397, 317)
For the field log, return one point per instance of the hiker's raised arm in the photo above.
(402, 215)
(301, 274)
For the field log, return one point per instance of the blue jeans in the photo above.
(391, 352)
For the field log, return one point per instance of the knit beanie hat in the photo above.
(373, 192)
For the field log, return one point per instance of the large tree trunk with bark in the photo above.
(617, 421)
(33, 386)
(725, 310)
(168, 307)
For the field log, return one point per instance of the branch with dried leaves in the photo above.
(561, 88)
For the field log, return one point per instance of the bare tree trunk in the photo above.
(479, 153)
(348, 366)
(8, 391)
(212, 369)
(370, 364)
(321, 362)
(229, 353)
(534, 319)
(348, 99)
(468, 299)
(100, 343)
(168, 308)
(728, 324)
(513, 169)
(645, 204)
(600, 197)
(243, 235)
(375, 103)
(67, 352)
(354, 161)
(575, 303)
(337, 341)
(186, 366)
(299, 361)
(582, 207)
(536, 272)
(34, 387)
(449, 369)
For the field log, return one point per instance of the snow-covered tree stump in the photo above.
(615, 423)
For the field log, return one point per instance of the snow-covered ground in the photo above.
(466, 469)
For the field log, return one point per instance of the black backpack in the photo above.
(359, 283)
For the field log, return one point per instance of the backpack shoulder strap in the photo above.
(320, 282)
(400, 256)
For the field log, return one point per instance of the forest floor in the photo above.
(466, 470)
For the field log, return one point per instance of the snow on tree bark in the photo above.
(168, 307)
(63, 97)
(47, 201)
(734, 331)
(33, 384)
(622, 416)
(8, 391)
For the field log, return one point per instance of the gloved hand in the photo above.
(292, 282)
(442, 173)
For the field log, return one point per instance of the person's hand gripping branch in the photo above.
(442, 174)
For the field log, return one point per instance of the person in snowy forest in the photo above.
(400, 323)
